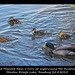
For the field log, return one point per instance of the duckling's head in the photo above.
(11, 18)
(34, 30)
(73, 30)
(50, 45)
(60, 33)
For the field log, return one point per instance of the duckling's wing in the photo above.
(65, 47)
(39, 33)
(65, 36)
(16, 20)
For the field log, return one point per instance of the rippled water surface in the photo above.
(24, 49)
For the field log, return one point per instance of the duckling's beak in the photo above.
(45, 47)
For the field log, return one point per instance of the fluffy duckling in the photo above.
(12, 20)
(73, 30)
(63, 36)
(62, 50)
(37, 32)
(2, 39)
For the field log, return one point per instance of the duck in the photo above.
(64, 36)
(37, 32)
(60, 50)
(2, 39)
(14, 21)
(73, 30)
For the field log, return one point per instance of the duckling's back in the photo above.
(16, 21)
(65, 36)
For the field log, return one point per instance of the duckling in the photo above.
(2, 39)
(73, 5)
(63, 36)
(12, 21)
(61, 50)
(73, 30)
(37, 32)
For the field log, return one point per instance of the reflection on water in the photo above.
(25, 49)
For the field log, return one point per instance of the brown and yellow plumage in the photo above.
(64, 36)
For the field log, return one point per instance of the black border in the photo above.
(37, 1)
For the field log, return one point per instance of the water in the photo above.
(25, 50)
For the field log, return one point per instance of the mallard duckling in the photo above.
(63, 36)
(2, 39)
(73, 30)
(61, 50)
(12, 20)
(37, 32)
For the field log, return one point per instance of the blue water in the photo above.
(24, 49)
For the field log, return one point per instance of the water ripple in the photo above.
(24, 49)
